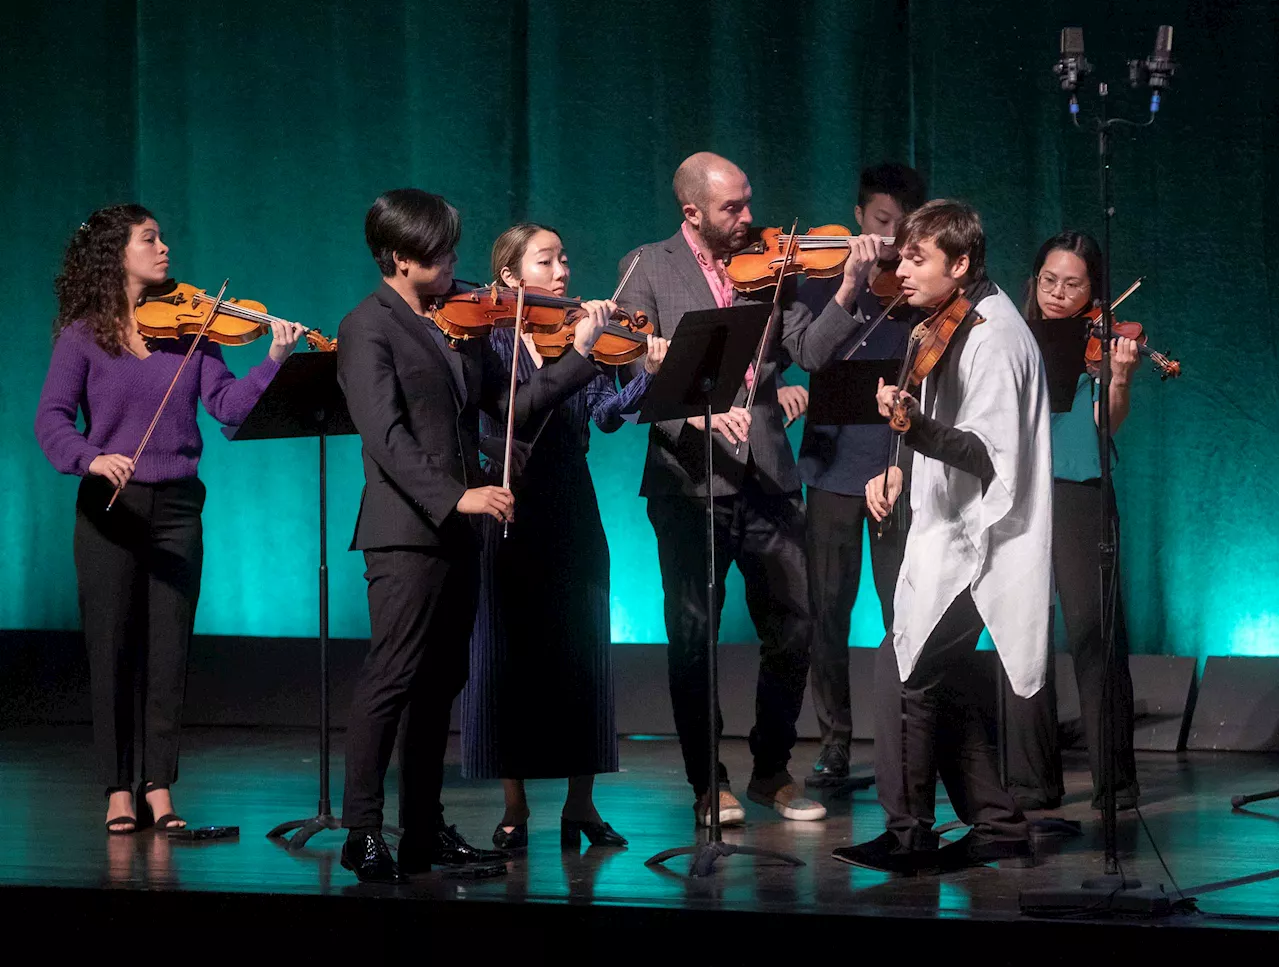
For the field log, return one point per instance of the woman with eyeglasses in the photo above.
(1065, 282)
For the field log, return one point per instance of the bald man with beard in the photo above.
(759, 513)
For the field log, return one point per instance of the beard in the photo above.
(722, 244)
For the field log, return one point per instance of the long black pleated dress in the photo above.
(539, 699)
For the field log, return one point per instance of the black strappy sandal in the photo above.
(163, 823)
(116, 827)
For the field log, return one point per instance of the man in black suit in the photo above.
(759, 513)
(416, 401)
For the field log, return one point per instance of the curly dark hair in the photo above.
(91, 286)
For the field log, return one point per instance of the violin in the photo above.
(181, 309)
(477, 312)
(1165, 366)
(619, 343)
(820, 253)
(925, 348)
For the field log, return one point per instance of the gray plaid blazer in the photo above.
(666, 284)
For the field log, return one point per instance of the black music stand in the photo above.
(303, 401)
(700, 376)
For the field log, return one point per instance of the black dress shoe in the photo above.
(831, 768)
(887, 854)
(443, 847)
(974, 849)
(599, 834)
(517, 838)
(369, 858)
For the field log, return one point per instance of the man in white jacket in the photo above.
(977, 555)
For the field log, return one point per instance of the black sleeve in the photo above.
(550, 384)
(957, 448)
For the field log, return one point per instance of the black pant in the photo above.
(138, 571)
(1035, 759)
(941, 721)
(833, 552)
(422, 604)
(764, 535)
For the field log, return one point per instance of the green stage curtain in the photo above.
(260, 133)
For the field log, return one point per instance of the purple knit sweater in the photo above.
(119, 396)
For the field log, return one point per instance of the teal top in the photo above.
(1075, 436)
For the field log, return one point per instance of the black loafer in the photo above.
(515, 839)
(886, 854)
(598, 834)
(369, 858)
(831, 767)
(443, 847)
(974, 849)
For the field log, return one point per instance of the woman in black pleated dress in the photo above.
(539, 700)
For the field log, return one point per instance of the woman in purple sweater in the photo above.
(137, 566)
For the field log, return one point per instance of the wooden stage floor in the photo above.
(53, 851)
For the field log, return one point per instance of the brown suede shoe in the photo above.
(780, 793)
(731, 811)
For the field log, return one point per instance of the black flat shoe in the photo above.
(598, 834)
(517, 838)
(973, 849)
(442, 847)
(830, 769)
(369, 858)
(886, 854)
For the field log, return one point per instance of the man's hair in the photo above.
(904, 185)
(411, 223)
(951, 225)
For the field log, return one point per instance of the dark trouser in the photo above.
(422, 604)
(138, 570)
(1035, 759)
(941, 721)
(833, 553)
(764, 535)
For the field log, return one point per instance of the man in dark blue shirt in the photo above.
(835, 463)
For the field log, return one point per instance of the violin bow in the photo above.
(511, 398)
(626, 277)
(174, 382)
(787, 253)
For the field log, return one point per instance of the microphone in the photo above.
(1157, 70)
(1071, 65)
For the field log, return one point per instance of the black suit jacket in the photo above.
(416, 403)
(666, 284)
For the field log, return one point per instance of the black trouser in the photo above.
(833, 552)
(422, 605)
(941, 721)
(764, 535)
(138, 571)
(1035, 759)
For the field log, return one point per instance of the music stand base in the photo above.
(1100, 895)
(705, 856)
(306, 828)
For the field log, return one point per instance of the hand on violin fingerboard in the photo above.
(1124, 360)
(284, 339)
(655, 354)
(595, 316)
(864, 250)
(497, 502)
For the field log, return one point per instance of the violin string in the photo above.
(231, 309)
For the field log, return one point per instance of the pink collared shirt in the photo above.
(712, 270)
(717, 280)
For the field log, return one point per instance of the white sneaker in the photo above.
(781, 794)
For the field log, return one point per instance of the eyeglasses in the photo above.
(1071, 287)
